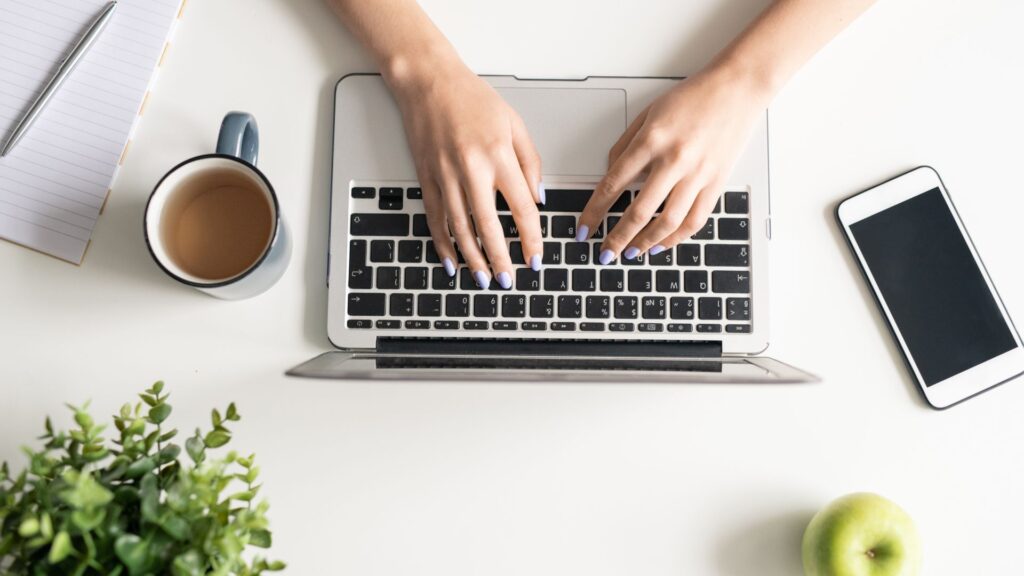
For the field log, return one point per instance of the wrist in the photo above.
(413, 71)
(757, 80)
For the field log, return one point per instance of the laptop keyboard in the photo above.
(396, 281)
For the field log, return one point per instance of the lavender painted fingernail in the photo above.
(504, 280)
(582, 232)
(658, 249)
(449, 267)
(631, 252)
(606, 257)
(543, 193)
(482, 279)
(535, 263)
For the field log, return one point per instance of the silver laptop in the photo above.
(696, 313)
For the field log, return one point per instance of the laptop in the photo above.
(696, 313)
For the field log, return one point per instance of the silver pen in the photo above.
(69, 64)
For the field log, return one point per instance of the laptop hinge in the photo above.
(511, 347)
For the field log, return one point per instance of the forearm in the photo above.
(783, 38)
(404, 42)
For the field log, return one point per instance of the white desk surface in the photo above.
(391, 478)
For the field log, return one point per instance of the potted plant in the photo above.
(133, 506)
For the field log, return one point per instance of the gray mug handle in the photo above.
(239, 137)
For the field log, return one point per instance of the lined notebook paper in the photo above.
(54, 184)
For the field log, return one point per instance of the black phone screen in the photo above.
(933, 286)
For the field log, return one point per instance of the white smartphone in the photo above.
(927, 278)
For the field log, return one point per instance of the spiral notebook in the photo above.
(54, 184)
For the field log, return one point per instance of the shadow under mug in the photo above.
(237, 151)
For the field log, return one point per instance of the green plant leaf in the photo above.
(159, 413)
(168, 453)
(232, 413)
(188, 564)
(195, 448)
(217, 438)
(28, 527)
(46, 526)
(260, 538)
(88, 519)
(140, 467)
(158, 387)
(132, 551)
(60, 548)
(149, 496)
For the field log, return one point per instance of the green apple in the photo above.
(861, 535)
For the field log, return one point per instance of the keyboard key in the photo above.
(738, 328)
(727, 282)
(363, 192)
(466, 280)
(613, 281)
(527, 280)
(357, 253)
(737, 308)
(544, 226)
(428, 304)
(737, 203)
(681, 308)
(500, 204)
(387, 278)
(485, 305)
(535, 326)
(513, 306)
(584, 280)
(612, 221)
(625, 306)
(474, 325)
(733, 229)
(727, 255)
(651, 327)
(563, 227)
(622, 203)
(410, 251)
(707, 232)
(360, 277)
(366, 304)
(709, 308)
(556, 280)
(667, 280)
(577, 253)
(639, 260)
(559, 200)
(653, 307)
(563, 326)
(420, 227)
(382, 251)
(570, 306)
(688, 254)
(515, 252)
(591, 327)
(718, 207)
(542, 306)
(663, 258)
(414, 193)
(441, 280)
(360, 324)
(552, 252)
(389, 324)
(415, 278)
(640, 281)
(379, 225)
(505, 325)
(598, 306)
(456, 305)
(675, 327)
(709, 328)
(417, 324)
(390, 199)
(621, 326)
(446, 325)
(508, 226)
(401, 305)
(695, 281)
(431, 254)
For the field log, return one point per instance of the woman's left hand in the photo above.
(686, 142)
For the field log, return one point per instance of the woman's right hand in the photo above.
(467, 142)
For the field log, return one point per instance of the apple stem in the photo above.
(871, 553)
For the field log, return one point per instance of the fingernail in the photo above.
(658, 249)
(582, 232)
(631, 252)
(482, 279)
(449, 267)
(504, 280)
(535, 263)
(543, 193)
(606, 257)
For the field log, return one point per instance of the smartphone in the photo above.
(932, 288)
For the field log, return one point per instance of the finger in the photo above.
(625, 170)
(461, 225)
(513, 185)
(677, 207)
(480, 194)
(638, 215)
(529, 160)
(437, 221)
(620, 145)
(698, 216)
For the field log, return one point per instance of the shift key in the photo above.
(379, 225)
